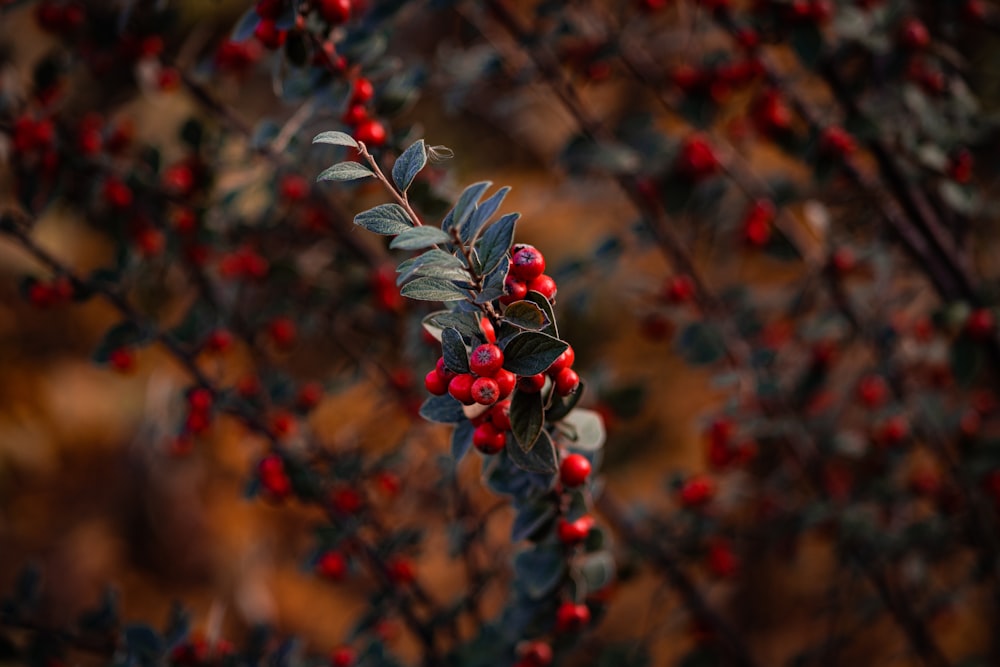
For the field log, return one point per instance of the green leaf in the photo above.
(531, 518)
(459, 215)
(539, 300)
(461, 440)
(701, 344)
(466, 322)
(597, 570)
(562, 405)
(419, 237)
(334, 137)
(587, 433)
(435, 262)
(345, 171)
(409, 164)
(483, 213)
(807, 41)
(525, 315)
(539, 570)
(384, 219)
(527, 417)
(433, 289)
(531, 352)
(456, 356)
(496, 242)
(966, 360)
(244, 28)
(443, 410)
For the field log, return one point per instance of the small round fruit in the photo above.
(572, 617)
(514, 290)
(566, 382)
(564, 360)
(371, 133)
(334, 11)
(574, 532)
(544, 285)
(443, 370)
(574, 470)
(531, 384)
(485, 391)
(363, 91)
(500, 415)
(506, 381)
(460, 387)
(488, 439)
(697, 491)
(435, 384)
(527, 263)
(486, 360)
(489, 332)
(332, 565)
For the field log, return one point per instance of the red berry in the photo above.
(283, 424)
(914, 34)
(178, 180)
(40, 295)
(500, 415)
(402, 571)
(574, 470)
(460, 387)
(514, 290)
(980, 324)
(696, 159)
(574, 532)
(122, 360)
(346, 500)
(506, 381)
(283, 332)
(219, 340)
(269, 9)
(309, 395)
(564, 360)
(355, 115)
(544, 285)
(443, 370)
(344, 656)
(527, 263)
(117, 194)
(843, 261)
(486, 326)
(268, 34)
(572, 617)
(363, 91)
(679, 289)
(485, 391)
(697, 491)
(293, 188)
(200, 399)
(273, 479)
(960, 166)
(536, 654)
(837, 142)
(531, 384)
(488, 439)
(567, 382)
(721, 560)
(873, 391)
(332, 565)
(974, 10)
(370, 133)
(334, 11)
(486, 360)
(892, 431)
(435, 383)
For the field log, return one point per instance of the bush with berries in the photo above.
(810, 181)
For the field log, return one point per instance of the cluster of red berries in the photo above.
(273, 477)
(527, 274)
(55, 292)
(367, 130)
